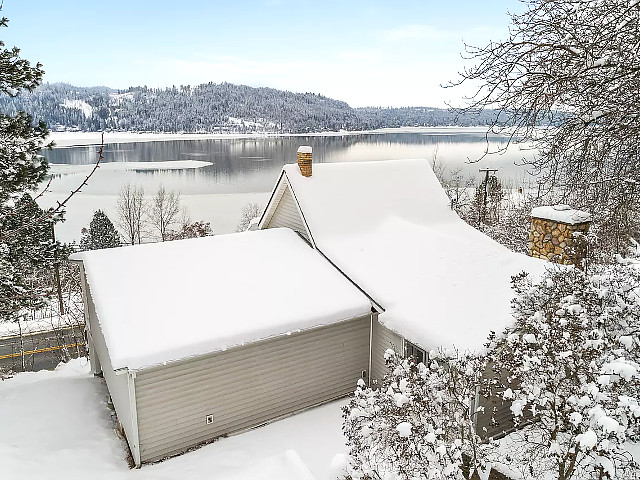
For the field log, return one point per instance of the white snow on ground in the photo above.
(35, 325)
(56, 425)
(222, 211)
(561, 213)
(518, 447)
(65, 169)
(222, 291)
(74, 139)
(389, 227)
(81, 105)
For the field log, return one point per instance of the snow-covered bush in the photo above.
(192, 230)
(418, 424)
(571, 359)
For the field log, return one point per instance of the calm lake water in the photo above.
(253, 164)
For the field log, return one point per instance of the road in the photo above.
(42, 350)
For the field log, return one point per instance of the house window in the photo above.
(410, 350)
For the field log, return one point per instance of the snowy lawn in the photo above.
(222, 211)
(57, 425)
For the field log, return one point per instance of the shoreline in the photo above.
(87, 139)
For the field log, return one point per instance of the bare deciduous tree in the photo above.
(131, 209)
(164, 212)
(571, 66)
(249, 212)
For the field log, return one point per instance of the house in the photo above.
(434, 280)
(205, 337)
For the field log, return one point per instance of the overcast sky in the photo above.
(391, 53)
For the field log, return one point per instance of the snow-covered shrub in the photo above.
(418, 424)
(572, 362)
(192, 230)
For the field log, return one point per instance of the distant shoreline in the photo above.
(82, 139)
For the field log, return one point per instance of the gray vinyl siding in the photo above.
(497, 419)
(247, 386)
(382, 339)
(286, 214)
(118, 384)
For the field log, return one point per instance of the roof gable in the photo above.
(283, 210)
(389, 227)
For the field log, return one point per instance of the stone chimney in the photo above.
(552, 229)
(304, 160)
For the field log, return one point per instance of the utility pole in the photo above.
(486, 190)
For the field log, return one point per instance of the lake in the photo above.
(245, 169)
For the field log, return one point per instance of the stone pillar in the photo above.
(304, 160)
(552, 229)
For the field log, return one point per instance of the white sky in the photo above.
(363, 52)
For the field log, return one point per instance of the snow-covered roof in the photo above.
(166, 301)
(561, 213)
(388, 226)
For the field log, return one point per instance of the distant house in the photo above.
(201, 338)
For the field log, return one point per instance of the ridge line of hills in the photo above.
(215, 108)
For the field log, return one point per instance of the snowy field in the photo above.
(59, 427)
(221, 210)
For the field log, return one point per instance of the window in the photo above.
(410, 350)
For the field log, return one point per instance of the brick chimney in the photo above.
(552, 229)
(304, 160)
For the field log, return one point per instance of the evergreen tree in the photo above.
(100, 234)
(26, 241)
(27, 249)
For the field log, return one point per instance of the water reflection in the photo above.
(252, 165)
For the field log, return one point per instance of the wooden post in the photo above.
(56, 273)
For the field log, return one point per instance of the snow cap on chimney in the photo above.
(304, 160)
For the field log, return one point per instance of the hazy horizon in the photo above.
(370, 53)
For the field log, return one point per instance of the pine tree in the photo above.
(26, 241)
(100, 234)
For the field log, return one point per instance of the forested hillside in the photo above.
(214, 107)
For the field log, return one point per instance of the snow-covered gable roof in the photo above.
(388, 226)
(166, 301)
